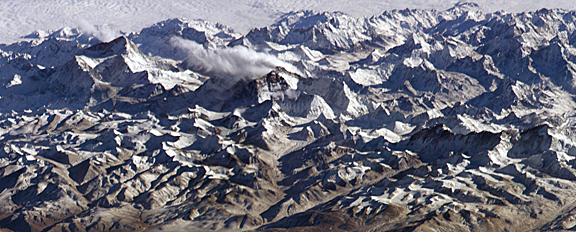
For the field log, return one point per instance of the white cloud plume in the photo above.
(102, 33)
(236, 62)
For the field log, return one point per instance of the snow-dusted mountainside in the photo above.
(426, 120)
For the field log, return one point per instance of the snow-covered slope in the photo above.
(451, 120)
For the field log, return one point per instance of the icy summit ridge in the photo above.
(412, 119)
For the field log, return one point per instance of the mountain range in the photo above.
(412, 120)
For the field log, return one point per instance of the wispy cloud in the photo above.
(236, 62)
(102, 33)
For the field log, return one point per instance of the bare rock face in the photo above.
(450, 120)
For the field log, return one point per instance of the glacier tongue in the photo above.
(409, 120)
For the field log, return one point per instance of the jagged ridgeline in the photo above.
(453, 120)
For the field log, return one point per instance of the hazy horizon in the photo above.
(19, 18)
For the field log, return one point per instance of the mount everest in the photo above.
(453, 120)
